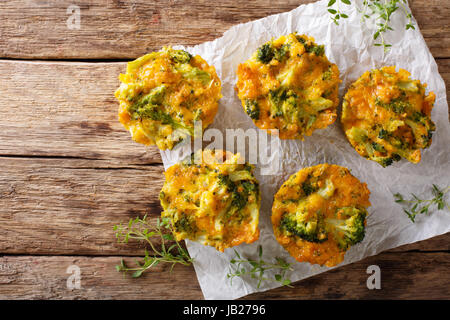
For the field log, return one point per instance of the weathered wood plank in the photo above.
(403, 276)
(126, 29)
(65, 109)
(409, 275)
(69, 206)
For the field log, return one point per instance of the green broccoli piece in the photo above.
(232, 182)
(327, 74)
(190, 72)
(320, 104)
(422, 128)
(252, 109)
(136, 64)
(276, 98)
(308, 188)
(310, 47)
(283, 103)
(311, 119)
(154, 97)
(265, 53)
(318, 50)
(180, 56)
(349, 231)
(309, 229)
(149, 106)
(396, 105)
(183, 224)
(383, 134)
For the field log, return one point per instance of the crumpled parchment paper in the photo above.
(350, 46)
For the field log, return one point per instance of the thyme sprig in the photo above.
(379, 10)
(416, 205)
(171, 252)
(239, 267)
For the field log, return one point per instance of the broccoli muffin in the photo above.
(386, 116)
(319, 212)
(163, 93)
(288, 84)
(215, 202)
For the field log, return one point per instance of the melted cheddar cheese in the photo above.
(288, 84)
(215, 202)
(318, 196)
(163, 93)
(386, 116)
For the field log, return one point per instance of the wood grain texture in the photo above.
(70, 104)
(410, 275)
(69, 206)
(127, 29)
(45, 277)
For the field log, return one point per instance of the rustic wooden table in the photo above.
(69, 171)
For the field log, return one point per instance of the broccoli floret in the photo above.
(383, 134)
(265, 53)
(318, 50)
(184, 224)
(328, 190)
(252, 109)
(282, 52)
(327, 74)
(283, 103)
(348, 231)
(232, 182)
(422, 128)
(190, 72)
(276, 98)
(149, 107)
(311, 119)
(396, 105)
(360, 136)
(387, 161)
(378, 147)
(320, 104)
(154, 97)
(408, 86)
(309, 229)
(225, 181)
(180, 56)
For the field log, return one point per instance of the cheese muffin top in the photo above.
(386, 116)
(163, 93)
(212, 198)
(288, 84)
(319, 212)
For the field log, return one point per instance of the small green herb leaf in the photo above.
(416, 205)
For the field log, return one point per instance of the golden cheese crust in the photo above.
(163, 93)
(288, 84)
(215, 202)
(319, 212)
(386, 116)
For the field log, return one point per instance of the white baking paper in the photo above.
(350, 46)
